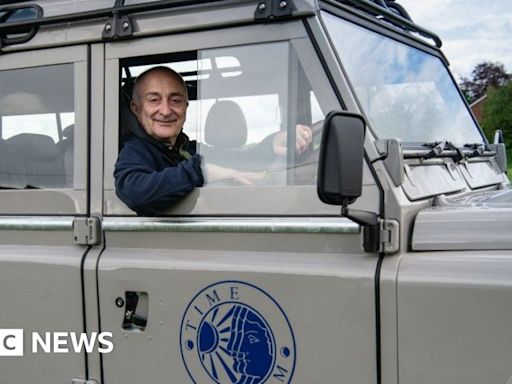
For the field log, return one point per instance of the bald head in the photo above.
(156, 71)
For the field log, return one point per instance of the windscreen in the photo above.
(405, 92)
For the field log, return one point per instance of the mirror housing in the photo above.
(340, 166)
(340, 172)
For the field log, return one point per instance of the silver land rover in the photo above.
(381, 254)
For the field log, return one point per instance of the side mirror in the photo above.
(340, 171)
(340, 167)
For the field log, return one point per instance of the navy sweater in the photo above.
(150, 177)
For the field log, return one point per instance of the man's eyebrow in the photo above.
(152, 94)
(157, 94)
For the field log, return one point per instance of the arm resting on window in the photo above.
(148, 191)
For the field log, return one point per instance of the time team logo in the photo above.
(234, 332)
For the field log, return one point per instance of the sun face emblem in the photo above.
(235, 341)
(225, 340)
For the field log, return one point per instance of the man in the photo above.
(158, 165)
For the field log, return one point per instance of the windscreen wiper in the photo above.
(478, 150)
(448, 149)
(438, 149)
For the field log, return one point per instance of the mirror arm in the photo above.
(363, 218)
(370, 223)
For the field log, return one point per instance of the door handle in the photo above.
(135, 310)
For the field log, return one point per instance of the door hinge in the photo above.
(83, 381)
(389, 236)
(118, 26)
(273, 9)
(86, 230)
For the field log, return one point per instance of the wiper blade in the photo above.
(477, 149)
(448, 149)
(439, 146)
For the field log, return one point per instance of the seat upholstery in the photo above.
(43, 162)
(12, 167)
(226, 126)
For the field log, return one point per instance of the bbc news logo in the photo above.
(12, 342)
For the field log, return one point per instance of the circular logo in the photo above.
(234, 332)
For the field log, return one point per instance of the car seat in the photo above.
(43, 163)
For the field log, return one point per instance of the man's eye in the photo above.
(177, 100)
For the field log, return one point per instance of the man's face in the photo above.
(161, 107)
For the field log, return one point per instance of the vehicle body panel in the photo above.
(330, 290)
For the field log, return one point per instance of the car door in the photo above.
(43, 178)
(237, 283)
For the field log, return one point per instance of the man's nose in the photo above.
(166, 108)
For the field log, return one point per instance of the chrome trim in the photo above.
(36, 223)
(236, 225)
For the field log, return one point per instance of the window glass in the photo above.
(406, 93)
(36, 127)
(43, 124)
(244, 112)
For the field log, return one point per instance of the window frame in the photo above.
(61, 201)
(208, 201)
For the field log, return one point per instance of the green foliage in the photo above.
(509, 162)
(485, 75)
(497, 114)
(466, 94)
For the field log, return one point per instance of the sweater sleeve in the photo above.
(148, 191)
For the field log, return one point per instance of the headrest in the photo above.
(35, 146)
(68, 132)
(225, 126)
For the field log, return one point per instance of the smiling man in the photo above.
(160, 103)
(158, 165)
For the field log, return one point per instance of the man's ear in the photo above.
(134, 108)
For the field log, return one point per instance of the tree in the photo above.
(497, 114)
(484, 75)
